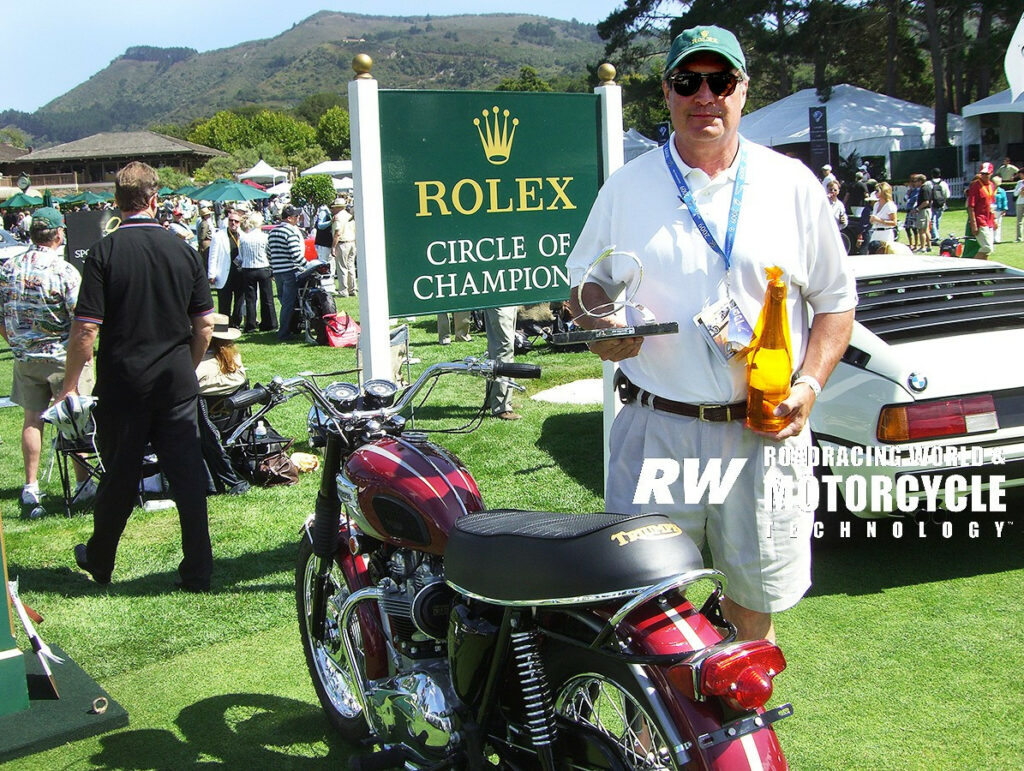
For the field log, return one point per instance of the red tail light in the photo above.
(943, 417)
(741, 675)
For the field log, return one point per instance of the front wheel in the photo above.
(328, 667)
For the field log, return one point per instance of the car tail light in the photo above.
(939, 418)
(741, 675)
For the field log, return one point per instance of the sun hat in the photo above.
(705, 39)
(222, 328)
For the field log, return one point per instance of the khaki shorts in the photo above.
(986, 239)
(38, 381)
(765, 554)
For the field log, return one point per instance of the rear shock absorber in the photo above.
(537, 704)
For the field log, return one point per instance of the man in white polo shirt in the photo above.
(758, 209)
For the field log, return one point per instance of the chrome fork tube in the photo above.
(358, 676)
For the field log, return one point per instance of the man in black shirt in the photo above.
(148, 292)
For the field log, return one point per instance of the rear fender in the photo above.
(676, 627)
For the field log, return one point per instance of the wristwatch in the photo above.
(810, 382)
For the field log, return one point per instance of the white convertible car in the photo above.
(926, 409)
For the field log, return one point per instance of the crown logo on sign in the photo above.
(495, 135)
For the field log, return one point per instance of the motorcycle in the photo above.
(452, 636)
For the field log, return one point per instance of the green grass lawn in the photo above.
(905, 654)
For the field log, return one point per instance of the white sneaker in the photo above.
(31, 504)
(85, 491)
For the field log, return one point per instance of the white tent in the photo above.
(332, 168)
(1003, 127)
(281, 188)
(634, 143)
(858, 120)
(263, 172)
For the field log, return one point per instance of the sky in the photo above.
(78, 39)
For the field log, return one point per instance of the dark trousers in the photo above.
(287, 291)
(122, 431)
(230, 298)
(221, 472)
(259, 279)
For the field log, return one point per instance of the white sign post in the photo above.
(371, 266)
(611, 138)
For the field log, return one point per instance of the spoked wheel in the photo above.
(597, 702)
(328, 667)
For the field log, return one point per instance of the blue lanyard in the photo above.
(734, 208)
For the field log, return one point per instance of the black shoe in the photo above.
(82, 559)
(240, 489)
(191, 587)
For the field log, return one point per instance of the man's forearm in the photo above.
(79, 353)
(829, 337)
(202, 331)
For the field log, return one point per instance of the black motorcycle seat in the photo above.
(508, 556)
(313, 268)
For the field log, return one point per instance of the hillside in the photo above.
(148, 85)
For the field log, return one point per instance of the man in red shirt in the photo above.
(981, 198)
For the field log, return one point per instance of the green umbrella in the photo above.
(165, 191)
(21, 201)
(225, 190)
(187, 190)
(87, 196)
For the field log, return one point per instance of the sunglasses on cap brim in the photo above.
(688, 83)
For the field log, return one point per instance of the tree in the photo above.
(528, 80)
(14, 136)
(233, 130)
(172, 178)
(315, 189)
(312, 108)
(332, 132)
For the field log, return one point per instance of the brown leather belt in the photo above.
(629, 392)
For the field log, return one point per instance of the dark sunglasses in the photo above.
(688, 83)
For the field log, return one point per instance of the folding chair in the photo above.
(68, 453)
(82, 453)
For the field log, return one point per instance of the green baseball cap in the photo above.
(705, 39)
(47, 217)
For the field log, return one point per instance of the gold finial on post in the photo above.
(362, 64)
(606, 74)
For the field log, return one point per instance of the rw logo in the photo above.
(495, 135)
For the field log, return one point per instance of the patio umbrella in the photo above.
(87, 196)
(21, 201)
(225, 190)
(165, 191)
(186, 190)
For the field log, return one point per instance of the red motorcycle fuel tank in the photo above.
(410, 492)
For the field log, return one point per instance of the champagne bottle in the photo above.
(770, 361)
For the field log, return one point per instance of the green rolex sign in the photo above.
(484, 194)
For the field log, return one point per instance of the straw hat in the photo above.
(222, 328)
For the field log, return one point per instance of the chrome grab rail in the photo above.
(656, 590)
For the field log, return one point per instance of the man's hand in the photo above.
(616, 348)
(612, 349)
(798, 405)
(974, 228)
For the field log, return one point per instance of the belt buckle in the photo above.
(706, 408)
